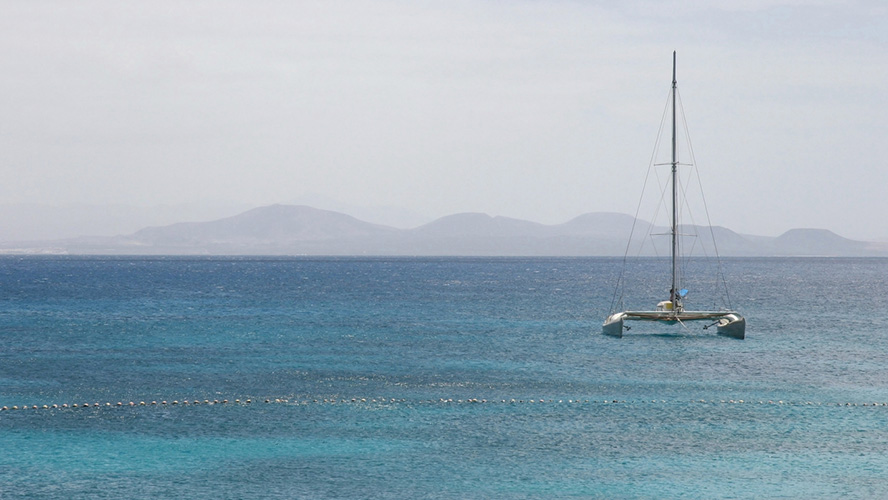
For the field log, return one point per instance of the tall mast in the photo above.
(674, 291)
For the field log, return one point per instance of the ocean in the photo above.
(439, 378)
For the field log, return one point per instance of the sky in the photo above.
(534, 109)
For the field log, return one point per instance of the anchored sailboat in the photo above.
(672, 311)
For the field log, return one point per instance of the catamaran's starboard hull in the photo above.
(732, 325)
(729, 324)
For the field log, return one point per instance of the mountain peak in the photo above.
(273, 224)
(809, 241)
(478, 225)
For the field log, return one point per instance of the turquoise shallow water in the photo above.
(435, 378)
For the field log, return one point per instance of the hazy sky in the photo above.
(541, 109)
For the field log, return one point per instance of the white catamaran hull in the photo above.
(613, 325)
(732, 325)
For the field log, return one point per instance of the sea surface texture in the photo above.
(456, 378)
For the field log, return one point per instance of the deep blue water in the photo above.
(365, 356)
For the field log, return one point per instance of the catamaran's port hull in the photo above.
(729, 324)
(613, 325)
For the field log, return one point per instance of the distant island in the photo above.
(302, 230)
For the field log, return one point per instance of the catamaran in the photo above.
(672, 311)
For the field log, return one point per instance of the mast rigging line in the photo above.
(619, 289)
(674, 104)
(720, 271)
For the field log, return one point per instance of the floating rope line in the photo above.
(440, 401)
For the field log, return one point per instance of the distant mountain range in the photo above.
(302, 230)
